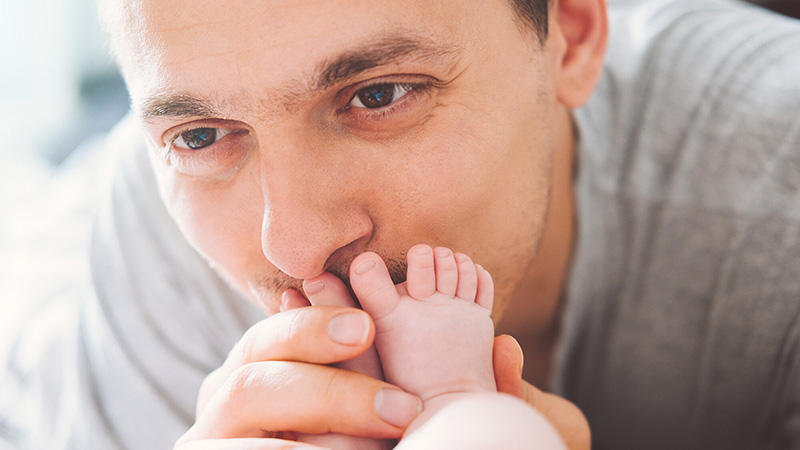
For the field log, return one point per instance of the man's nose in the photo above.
(311, 217)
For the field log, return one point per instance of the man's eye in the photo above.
(379, 95)
(199, 138)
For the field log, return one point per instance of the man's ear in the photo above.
(579, 34)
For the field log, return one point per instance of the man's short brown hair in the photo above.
(533, 15)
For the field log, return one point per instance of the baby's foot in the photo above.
(434, 333)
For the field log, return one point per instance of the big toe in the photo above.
(372, 285)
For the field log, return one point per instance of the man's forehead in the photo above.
(390, 49)
(294, 47)
(264, 24)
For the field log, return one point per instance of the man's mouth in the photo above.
(268, 289)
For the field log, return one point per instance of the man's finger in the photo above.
(245, 443)
(568, 420)
(319, 334)
(306, 398)
(507, 360)
(564, 415)
(328, 290)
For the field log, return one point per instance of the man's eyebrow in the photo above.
(178, 106)
(386, 50)
(383, 51)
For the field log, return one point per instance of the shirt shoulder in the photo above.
(698, 90)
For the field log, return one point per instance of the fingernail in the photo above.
(397, 407)
(314, 287)
(349, 328)
(365, 266)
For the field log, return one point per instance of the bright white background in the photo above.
(59, 91)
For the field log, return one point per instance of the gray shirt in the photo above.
(683, 323)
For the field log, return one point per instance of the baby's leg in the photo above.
(482, 421)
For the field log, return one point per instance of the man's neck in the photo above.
(533, 316)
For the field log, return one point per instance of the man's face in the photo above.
(290, 136)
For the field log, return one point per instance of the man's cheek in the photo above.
(221, 226)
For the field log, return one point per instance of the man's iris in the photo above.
(377, 96)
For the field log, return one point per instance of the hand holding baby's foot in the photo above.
(434, 333)
(328, 290)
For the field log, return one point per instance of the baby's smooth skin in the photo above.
(434, 335)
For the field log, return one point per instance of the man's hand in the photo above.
(276, 380)
(568, 420)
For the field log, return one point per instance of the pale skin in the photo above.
(299, 179)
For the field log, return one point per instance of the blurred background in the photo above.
(59, 91)
(59, 94)
(57, 84)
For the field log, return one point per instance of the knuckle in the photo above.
(271, 340)
(208, 387)
(242, 381)
(246, 349)
(294, 328)
(335, 384)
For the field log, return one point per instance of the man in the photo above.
(286, 138)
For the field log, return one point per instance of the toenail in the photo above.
(460, 257)
(397, 407)
(365, 266)
(349, 328)
(314, 287)
(424, 250)
(443, 253)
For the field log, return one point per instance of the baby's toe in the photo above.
(372, 285)
(467, 278)
(446, 271)
(485, 296)
(421, 279)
